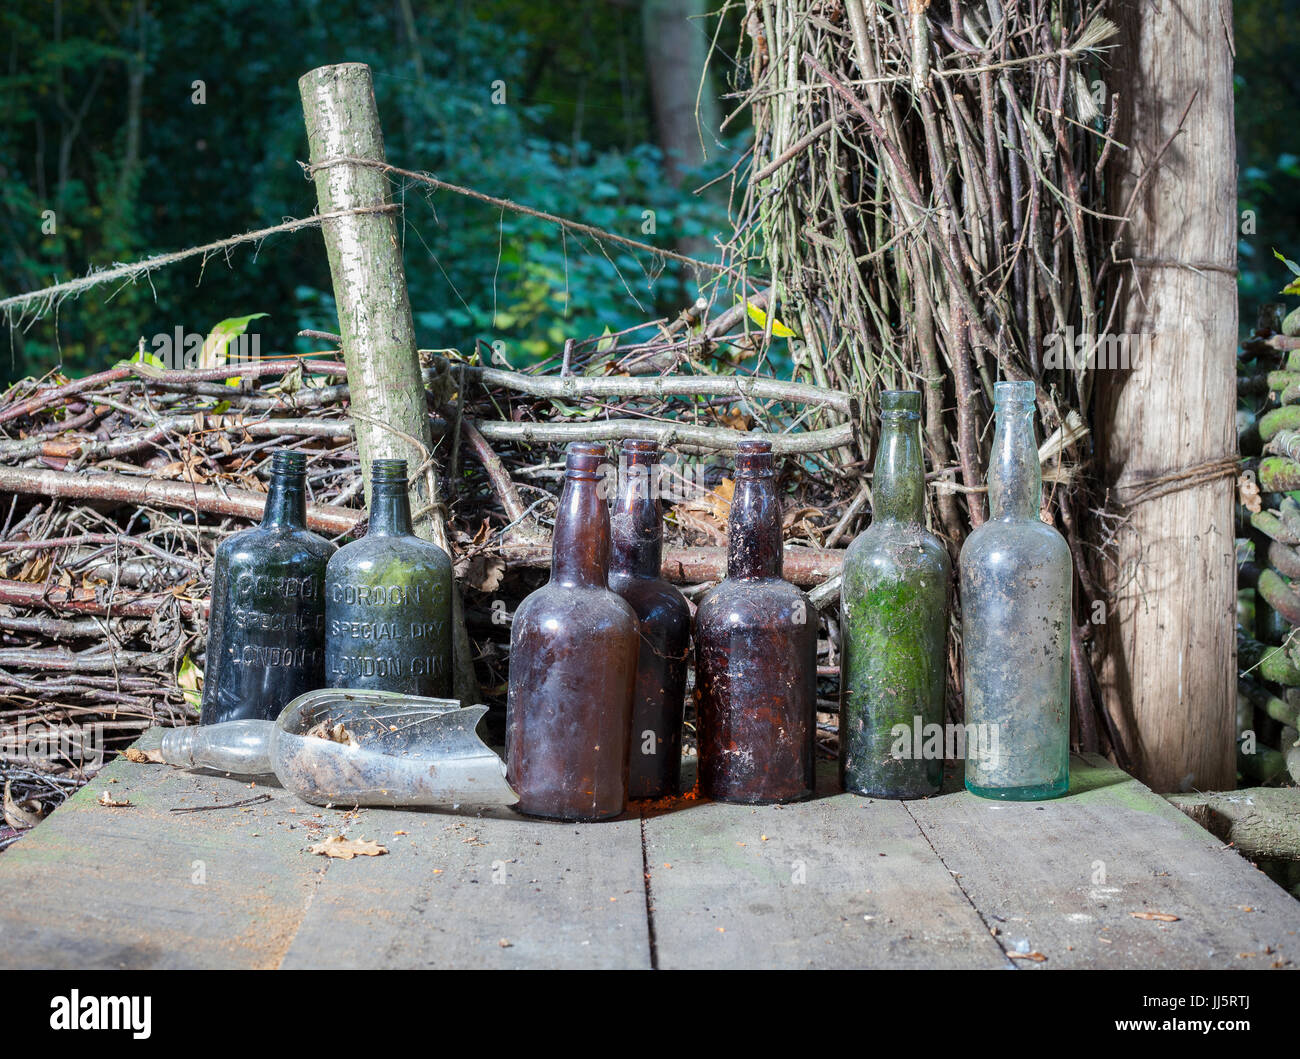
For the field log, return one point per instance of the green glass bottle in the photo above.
(388, 601)
(894, 625)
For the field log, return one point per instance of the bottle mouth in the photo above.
(1020, 393)
(286, 462)
(388, 472)
(640, 452)
(900, 405)
(584, 459)
(754, 459)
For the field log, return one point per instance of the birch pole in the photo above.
(388, 403)
(1169, 655)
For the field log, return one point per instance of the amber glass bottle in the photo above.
(655, 748)
(573, 652)
(266, 630)
(756, 656)
(388, 601)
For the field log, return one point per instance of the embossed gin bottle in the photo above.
(266, 631)
(388, 601)
(637, 531)
(1016, 579)
(573, 652)
(756, 656)
(894, 625)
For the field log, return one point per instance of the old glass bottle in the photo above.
(894, 625)
(388, 601)
(636, 529)
(573, 652)
(1016, 579)
(756, 656)
(266, 630)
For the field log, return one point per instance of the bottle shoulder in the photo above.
(886, 549)
(390, 556)
(1005, 541)
(578, 608)
(651, 595)
(750, 600)
(259, 544)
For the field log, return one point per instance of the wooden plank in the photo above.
(109, 888)
(490, 891)
(840, 881)
(1064, 878)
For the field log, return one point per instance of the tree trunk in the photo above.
(676, 52)
(1169, 657)
(388, 402)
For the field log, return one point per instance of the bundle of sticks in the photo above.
(115, 490)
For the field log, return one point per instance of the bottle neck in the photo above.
(390, 510)
(754, 529)
(636, 530)
(580, 544)
(1015, 478)
(286, 501)
(898, 484)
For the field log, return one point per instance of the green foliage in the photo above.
(571, 138)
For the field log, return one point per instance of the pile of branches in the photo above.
(1268, 687)
(116, 489)
(926, 195)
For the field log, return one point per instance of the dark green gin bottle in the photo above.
(266, 629)
(894, 625)
(388, 601)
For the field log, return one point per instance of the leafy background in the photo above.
(97, 124)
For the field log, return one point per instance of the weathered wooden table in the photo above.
(841, 881)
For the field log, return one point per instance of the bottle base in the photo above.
(890, 795)
(1036, 792)
(567, 817)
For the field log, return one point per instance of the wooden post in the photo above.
(1169, 665)
(388, 402)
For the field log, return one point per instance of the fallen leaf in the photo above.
(106, 799)
(1248, 492)
(141, 757)
(346, 848)
(1037, 957)
(21, 816)
(1160, 917)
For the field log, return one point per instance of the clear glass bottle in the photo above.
(388, 601)
(1016, 581)
(637, 532)
(894, 624)
(266, 627)
(756, 656)
(573, 653)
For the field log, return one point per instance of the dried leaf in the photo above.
(21, 816)
(346, 848)
(110, 802)
(141, 757)
(1159, 917)
(1248, 492)
(1037, 957)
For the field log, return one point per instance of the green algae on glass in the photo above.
(388, 601)
(894, 624)
(1016, 581)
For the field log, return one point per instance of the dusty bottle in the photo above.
(756, 656)
(1016, 579)
(266, 631)
(573, 652)
(894, 625)
(388, 601)
(636, 528)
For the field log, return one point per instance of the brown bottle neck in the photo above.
(637, 533)
(580, 546)
(754, 529)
